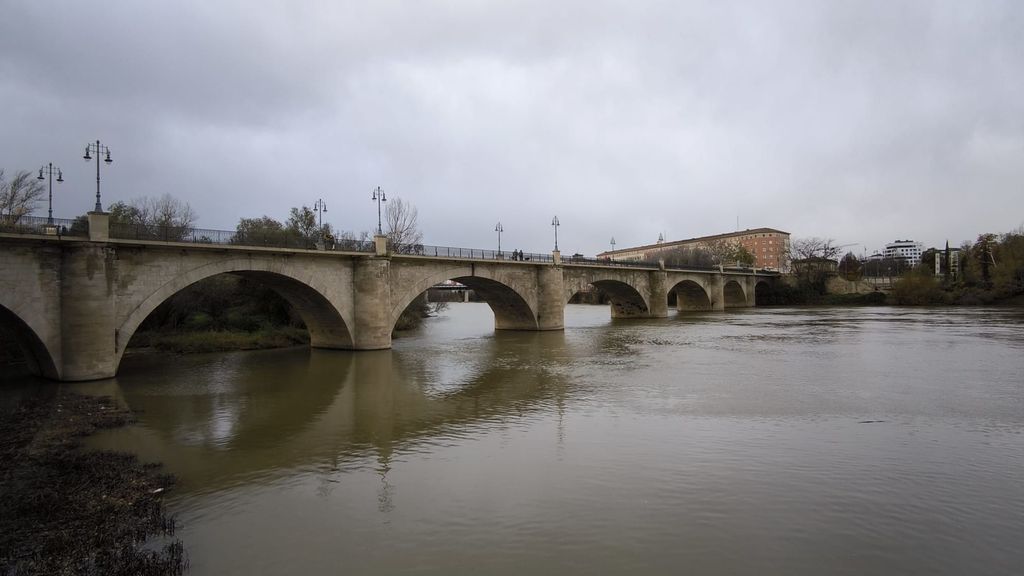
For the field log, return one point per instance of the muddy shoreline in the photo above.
(66, 510)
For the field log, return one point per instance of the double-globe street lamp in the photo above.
(499, 229)
(555, 224)
(613, 243)
(320, 207)
(50, 170)
(378, 197)
(98, 149)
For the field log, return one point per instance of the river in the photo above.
(760, 441)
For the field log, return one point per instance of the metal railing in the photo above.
(44, 226)
(470, 253)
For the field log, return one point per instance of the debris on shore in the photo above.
(66, 510)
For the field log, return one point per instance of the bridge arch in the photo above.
(735, 296)
(763, 293)
(691, 296)
(38, 357)
(626, 300)
(511, 307)
(325, 321)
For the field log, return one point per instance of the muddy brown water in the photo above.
(762, 441)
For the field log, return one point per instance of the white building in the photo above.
(906, 250)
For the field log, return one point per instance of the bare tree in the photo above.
(18, 197)
(696, 257)
(813, 258)
(719, 249)
(401, 220)
(349, 241)
(163, 218)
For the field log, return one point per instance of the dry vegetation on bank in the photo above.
(65, 510)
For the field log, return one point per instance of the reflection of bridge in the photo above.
(75, 302)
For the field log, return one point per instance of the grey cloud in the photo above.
(862, 121)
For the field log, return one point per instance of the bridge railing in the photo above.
(471, 253)
(271, 239)
(44, 226)
(578, 259)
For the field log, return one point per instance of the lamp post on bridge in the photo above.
(555, 224)
(613, 243)
(378, 196)
(499, 229)
(320, 207)
(98, 149)
(49, 170)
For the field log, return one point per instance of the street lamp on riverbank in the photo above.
(98, 149)
(555, 224)
(378, 196)
(50, 170)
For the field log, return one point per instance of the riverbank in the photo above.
(65, 510)
(184, 342)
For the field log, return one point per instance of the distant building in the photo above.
(770, 247)
(906, 251)
(950, 266)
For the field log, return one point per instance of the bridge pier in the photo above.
(88, 330)
(372, 304)
(659, 294)
(550, 300)
(716, 291)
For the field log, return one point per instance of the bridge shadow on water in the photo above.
(219, 419)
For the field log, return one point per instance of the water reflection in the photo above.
(218, 420)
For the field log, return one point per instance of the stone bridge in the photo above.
(74, 303)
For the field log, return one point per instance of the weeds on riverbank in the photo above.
(64, 510)
(221, 341)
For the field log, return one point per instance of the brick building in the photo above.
(770, 247)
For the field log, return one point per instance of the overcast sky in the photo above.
(860, 121)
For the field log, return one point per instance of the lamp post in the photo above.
(98, 149)
(499, 229)
(50, 170)
(555, 224)
(378, 196)
(613, 243)
(320, 207)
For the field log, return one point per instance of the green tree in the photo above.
(918, 287)
(264, 231)
(928, 260)
(850, 267)
(301, 225)
(984, 252)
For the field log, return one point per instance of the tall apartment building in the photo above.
(770, 247)
(906, 250)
